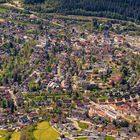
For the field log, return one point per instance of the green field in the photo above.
(45, 132)
(109, 138)
(15, 136)
(3, 10)
(82, 138)
(3, 134)
(83, 125)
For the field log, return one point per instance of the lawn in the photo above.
(3, 10)
(103, 97)
(15, 136)
(3, 134)
(82, 138)
(83, 125)
(109, 138)
(45, 132)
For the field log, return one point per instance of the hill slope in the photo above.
(121, 9)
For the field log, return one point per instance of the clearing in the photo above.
(45, 132)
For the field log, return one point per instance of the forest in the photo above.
(119, 9)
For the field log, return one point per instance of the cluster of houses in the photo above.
(100, 121)
(80, 61)
(84, 60)
(91, 60)
(15, 31)
(128, 110)
(15, 120)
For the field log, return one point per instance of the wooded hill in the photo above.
(110, 8)
(119, 9)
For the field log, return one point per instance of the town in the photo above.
(82, 79)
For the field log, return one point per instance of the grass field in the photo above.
(83, 125)
(15, 136)
(109, 138)
(3, 134)
(3, 10)
(82, 138)
(45, 132)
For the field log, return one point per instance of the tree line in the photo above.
(120, 9)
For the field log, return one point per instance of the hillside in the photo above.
(120, 9)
